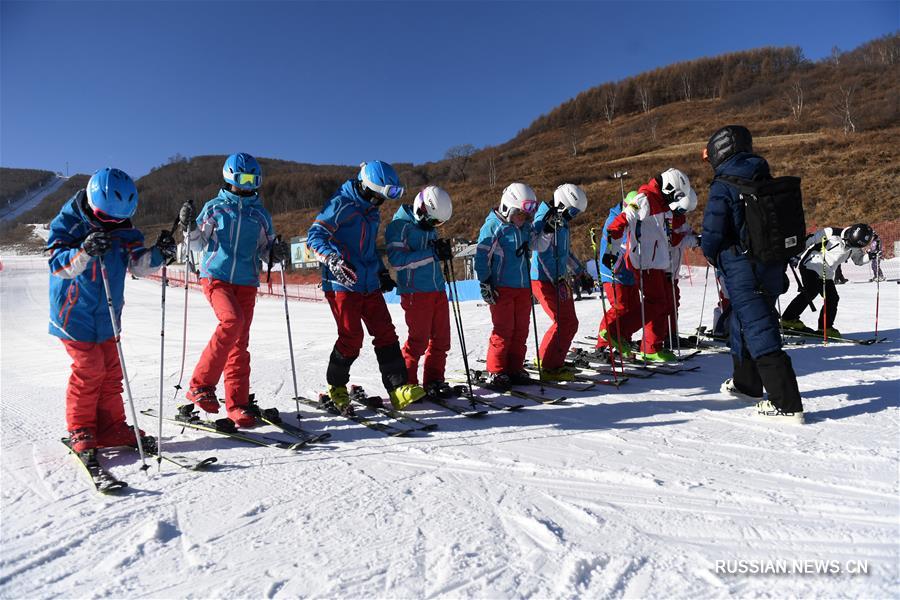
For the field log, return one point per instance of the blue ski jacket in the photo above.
(235, 233)
(503, 254)
(78, 308)
(410, 252)
(623, 275)
(557, 260)
(753, 287)
(348, 227)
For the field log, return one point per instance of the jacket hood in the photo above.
(348, 190)
(232, 197)
(404, 213)
(744, 165)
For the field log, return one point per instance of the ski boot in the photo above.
(520, 378)
(118, 434)
(830, 332)
(406, 394)
(82, 440)
(660, 356)
(440, 389)
(204, 398)
(560, 374)
(794, 325)
(620, 346)
(242, 416)
(728, 387)
(499, 382)
(338, 400)
(768, 411)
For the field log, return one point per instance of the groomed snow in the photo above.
(630, 493)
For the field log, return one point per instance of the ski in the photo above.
(224, 427)
(462, 391)
(188, 464)
(591, 382)
(384, 428)
(635, 363)
(272, 417)
(378, 405)
(818, 336)
(104, 482)
(481, 379)
(558, 385)
(603, 367)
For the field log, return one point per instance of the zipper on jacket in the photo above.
(237, 243)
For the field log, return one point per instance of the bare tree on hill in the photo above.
(459, 157)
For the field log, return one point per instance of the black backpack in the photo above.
(773, 212)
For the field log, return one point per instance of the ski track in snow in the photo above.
(623, 493)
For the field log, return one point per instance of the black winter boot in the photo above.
(778, 377)
(338, 373)
(392, 366)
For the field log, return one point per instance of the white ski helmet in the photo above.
(433, 206)
(518, 196)
(676, 187)
(570, 197)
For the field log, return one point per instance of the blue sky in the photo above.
(129, 84)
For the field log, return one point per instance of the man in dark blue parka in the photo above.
(759, 361)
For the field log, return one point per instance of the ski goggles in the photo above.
(572, 212)
(251, 179)
(388, 192)
(422, 216)
(105, 218)
(529, 216)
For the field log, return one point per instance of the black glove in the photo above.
(342, 271)
(875, 254)
(794, 261)
(97, 243)
(166, 245)
(488, 293)
(553, 220)
(609, 260)
(280, 251)
(387, 284)
(186, 216)
(443, 249)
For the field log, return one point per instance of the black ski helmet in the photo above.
(858, 236)
(727, 142)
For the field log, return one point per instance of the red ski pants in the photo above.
(511, 318)
(94, 393)
(657, 308)
(623, 315)
(559, 305)
(428, 322)
(227, 348)
(351, 310)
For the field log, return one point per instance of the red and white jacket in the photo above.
(649, 249)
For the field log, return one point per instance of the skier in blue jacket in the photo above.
(550, 271)
(753, 286)
(354, 279)
(502, 264)
(417, 253)
(235, 232)
(93, 226)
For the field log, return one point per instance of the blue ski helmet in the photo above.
(112, 195)
(242, 171)
(380, 181)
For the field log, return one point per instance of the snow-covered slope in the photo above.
(629, 493)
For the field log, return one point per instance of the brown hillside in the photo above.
(842, 143)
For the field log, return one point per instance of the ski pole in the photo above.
(877, 292)
(640, 274)
(612, 358)
(824, 297)
(702, 306)
(115, 327)
(162, 355)
(287, 319)
(186, 237)
(675, 317)
(450, 276)
(537, 348)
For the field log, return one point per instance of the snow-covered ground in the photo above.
(630, 493)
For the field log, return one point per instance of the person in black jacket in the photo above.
(759, 360)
